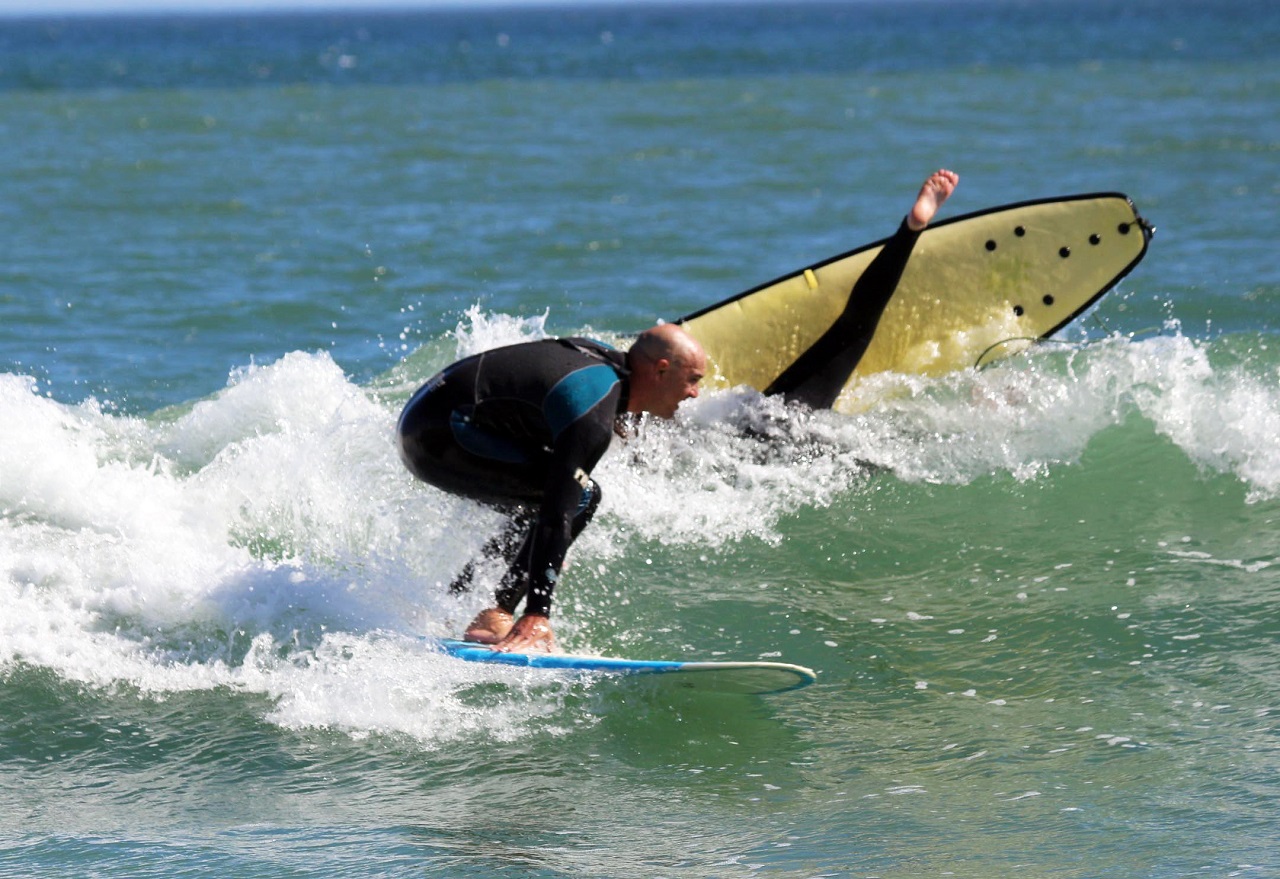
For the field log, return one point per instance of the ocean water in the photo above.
(1040, 596)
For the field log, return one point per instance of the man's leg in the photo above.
(816, 378)
(504, 545)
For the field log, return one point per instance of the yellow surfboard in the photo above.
(977, 288)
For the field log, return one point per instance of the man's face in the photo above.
(677, 381)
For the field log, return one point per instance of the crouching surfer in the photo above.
(521, 427)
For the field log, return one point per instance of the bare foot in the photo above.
(531, 634)
(490, 626)
(933, 193)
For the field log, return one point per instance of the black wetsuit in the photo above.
(520, 428)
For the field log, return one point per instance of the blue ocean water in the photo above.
(1039, 595)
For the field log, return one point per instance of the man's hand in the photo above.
(530, 634)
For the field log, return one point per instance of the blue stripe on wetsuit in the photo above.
(577, 394)
(482, 443)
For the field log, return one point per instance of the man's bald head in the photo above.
(666, 366)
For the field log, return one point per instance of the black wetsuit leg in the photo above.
(504, 545)
(816, 378)
(515, 583)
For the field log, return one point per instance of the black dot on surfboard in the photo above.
(1064, 252)
(1019, 310)
(1095, 239)
(1048, 299)
(991, 245)
(1123, 228)
(1020, 231)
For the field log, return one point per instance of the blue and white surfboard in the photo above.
(722, 677)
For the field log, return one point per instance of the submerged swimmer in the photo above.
(820, 373)
(521, 427)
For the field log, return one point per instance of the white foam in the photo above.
(1225, 419)
(480, 330)
(229, 545)
(1035, 413)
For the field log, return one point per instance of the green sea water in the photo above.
(1039, 595)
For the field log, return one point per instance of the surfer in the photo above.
(520, 428)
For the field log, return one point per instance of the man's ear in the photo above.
(662, 365)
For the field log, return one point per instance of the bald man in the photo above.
(521, 428)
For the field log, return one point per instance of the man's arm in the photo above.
(567, 506)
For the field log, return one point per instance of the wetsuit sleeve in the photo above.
(577, 449)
